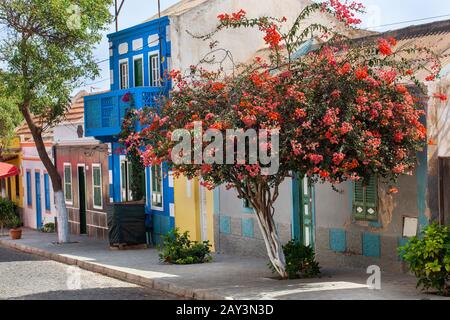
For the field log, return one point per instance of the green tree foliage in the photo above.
(47, 53)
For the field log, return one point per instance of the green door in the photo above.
(303, 220)
(82, 193)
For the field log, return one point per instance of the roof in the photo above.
(75, 113)
(434, 36)
(8, 170)
(179, 8)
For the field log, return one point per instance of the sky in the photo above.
(379, 14)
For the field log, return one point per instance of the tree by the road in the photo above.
(47, 48)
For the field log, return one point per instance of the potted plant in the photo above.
(7, 210)
(15, 225)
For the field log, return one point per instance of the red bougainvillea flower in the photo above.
(273, 37)
(126, 97)
(393, 191)
(385, 47)
(234, 17)
(362, 73)
(431, 77)
(344, 12)
(392, 41)
(440, 96)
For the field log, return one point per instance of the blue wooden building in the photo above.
(139, 58)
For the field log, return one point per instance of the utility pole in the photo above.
(116, 15)
(117, 10)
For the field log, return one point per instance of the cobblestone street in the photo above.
(23, 276)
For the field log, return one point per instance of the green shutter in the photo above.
(365, 200)
(371, 199)
(358, 200)
(138, 73)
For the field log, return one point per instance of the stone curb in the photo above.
(189, 293)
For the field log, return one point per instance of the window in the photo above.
(17, 187)
(68, 183)
(365, 200)
(124, 76)
(138, 72)
(47, 192)
(9, 189)
(125, 178)
(29, 200)
(154, 70)
(156, 187)
(2, 187)
(97, 186)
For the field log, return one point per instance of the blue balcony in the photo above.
(104, 112)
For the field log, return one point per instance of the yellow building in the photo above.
(194, 209)
(11, 187)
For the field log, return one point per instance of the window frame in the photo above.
(365, 204)
(154, 207)
(47, 202)
(68, 201)
(97, 166)
(29, 189)
(136, 58)
(152, 82)
(128, 194)
(127, 74)
(17, 181)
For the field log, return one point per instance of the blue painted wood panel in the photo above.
(338, 240)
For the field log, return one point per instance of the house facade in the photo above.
(83, 166)
(38, 206)
(360, 225)
(11, 187)
(140, 57)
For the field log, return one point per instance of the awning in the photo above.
(8, 170)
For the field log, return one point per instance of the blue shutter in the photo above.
(47, 192)
(29, 200)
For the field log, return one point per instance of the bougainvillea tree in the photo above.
(342, 112)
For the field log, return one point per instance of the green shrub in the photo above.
(14, 222)
(48, 228)
(8, 210)
(179, 249)
(428, 257)
(300, 261)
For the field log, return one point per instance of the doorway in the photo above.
(82, 197)
(303, 213)
(444, 191)
(37, 183)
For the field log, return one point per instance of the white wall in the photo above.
(66, 133)
(31, 162)
(242, 43)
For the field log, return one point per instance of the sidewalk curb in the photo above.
(189, 293)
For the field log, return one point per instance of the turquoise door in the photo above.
(303, 213)
(38, 200)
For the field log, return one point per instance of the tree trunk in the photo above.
(262, 197)
(272, 241)
(61, 210)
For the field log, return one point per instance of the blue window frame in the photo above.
(47, 192)
(29, 199)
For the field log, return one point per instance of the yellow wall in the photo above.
(187, 209)
(15, 144)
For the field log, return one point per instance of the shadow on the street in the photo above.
(10, 255)
(100, 294)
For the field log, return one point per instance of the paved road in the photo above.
(24, 276)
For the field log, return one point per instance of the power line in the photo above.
(410, 21)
